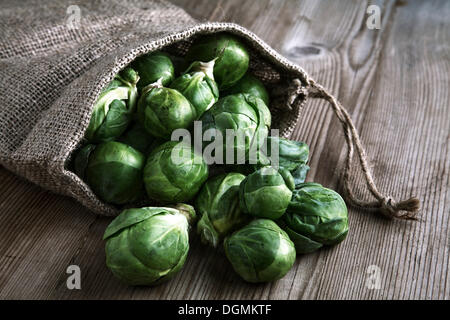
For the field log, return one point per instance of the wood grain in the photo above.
(394, 81)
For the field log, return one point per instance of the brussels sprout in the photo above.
(198, 86)
(299, 174)
(246, 115)
(162, 110)
(174, 173)
(147, 246)
(153, 66)
(218, 205)
(251, 85)
(266, 192)
(137, 137)
(113, 170)
(316, 216)
(260, 252)
(291, 153)
(112, 113)
(232, 57)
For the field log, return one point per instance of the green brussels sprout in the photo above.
(218, 204)
(260, 252)
(147, 246)
(246, 115)
(292, 155)
(113, 170)
(153, 66)
(198, 86)
(174, 173)
(162, 110)
(232, 57)
(112, 113)
(137, 137)
(299, 174)
(266, 192)
(251, 85)
(316, 216)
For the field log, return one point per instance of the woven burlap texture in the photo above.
(53, 67)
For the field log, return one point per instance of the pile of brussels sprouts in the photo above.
(262, 214)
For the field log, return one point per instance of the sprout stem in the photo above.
(186, 210)
(157, 84)
(205, 67)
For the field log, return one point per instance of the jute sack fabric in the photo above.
(55, 58)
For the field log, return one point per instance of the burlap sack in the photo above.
(54, 65)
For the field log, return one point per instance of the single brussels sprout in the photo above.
(260, 252)
(316, 216)
(251, 85)
(232, 57)
(112, 113)
(198, 86)
(137, 137)
(147, 246)
(113, 170)
(162, 110)
(218, 204)
(266, 192)
(174, 173)
(247, 115)
(299, 174)
(153, 66)
(291, 153)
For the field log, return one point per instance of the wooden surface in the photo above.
(395, 83)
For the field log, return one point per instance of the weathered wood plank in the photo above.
(39, 234)
(394, 81)
(398, 121)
